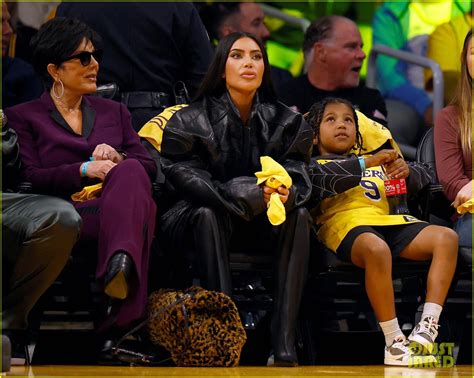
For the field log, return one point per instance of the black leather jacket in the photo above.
(210, 157)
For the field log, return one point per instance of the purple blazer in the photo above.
(51, 152)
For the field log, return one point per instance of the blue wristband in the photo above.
(362, 163)
(84, 168)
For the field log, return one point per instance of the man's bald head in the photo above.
(321, 29)
(333, 47)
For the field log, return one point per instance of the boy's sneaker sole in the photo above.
(400, 353)
(415, 361)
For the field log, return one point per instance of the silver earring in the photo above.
(54, 92)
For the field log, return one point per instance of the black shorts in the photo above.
(397, 237)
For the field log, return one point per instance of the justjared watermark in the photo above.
(439, 356)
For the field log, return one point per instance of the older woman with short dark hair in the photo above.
(70, 140)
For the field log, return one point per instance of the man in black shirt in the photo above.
(148, 48)
(334, 56)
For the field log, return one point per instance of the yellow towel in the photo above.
(87, 193)
(275, 176)
(374, 135)
(152, 131)
(466, 207)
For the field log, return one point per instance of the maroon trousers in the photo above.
(123, 219)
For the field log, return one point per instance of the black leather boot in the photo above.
(211, 235)
(283, 327)
(6, 353)
(292, 269)
(117, 276)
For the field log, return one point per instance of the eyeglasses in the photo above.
(85, 57)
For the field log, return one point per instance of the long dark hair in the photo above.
(315, 116)
(463, 100)
(214, 85)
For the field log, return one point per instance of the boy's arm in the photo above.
(333, 177)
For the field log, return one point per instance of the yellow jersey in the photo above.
(363, 205)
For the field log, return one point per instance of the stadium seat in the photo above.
(458, 306)
(438, 209)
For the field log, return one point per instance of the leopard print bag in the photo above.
(197, 326)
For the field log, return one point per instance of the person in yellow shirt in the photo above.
(354, 222)
(445, 46)
(405, 25)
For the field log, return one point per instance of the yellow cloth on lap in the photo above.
(466, 207)
(87, 193)
(274, 175)
(276, 210)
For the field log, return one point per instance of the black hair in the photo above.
(56, 40)
(214, 84)
(315, 116)
(319, 30)
(213, 16)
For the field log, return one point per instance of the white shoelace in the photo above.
(401, 342)
(431, 325)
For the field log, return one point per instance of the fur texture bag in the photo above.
(198, 327)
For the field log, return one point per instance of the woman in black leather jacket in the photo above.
(210, 153)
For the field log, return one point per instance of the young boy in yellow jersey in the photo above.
(354, 222)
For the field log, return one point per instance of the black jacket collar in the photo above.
(222, 105)
(88, 115)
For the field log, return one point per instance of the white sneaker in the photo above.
(399, 354)
(425, 333)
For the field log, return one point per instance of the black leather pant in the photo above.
(38, 233)
(214, 234)
(292, 270)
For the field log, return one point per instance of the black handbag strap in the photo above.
(181, 95)
(143, 358)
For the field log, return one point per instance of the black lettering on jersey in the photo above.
(369, 173)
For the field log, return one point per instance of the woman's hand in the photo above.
(105, 152)
(397, 169)
(381, 158)
(464, 195)
(282, 191)
(99, 168)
